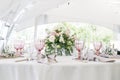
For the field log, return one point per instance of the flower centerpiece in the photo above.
(59, 41)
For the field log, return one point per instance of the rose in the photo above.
(52, 38)
(53, 33)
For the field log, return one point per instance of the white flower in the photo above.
(51, 38)
(61, 39)
(67, 32)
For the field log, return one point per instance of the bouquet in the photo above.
(59, 41)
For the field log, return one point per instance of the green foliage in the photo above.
(91, 33)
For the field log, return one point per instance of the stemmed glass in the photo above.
(39, 45)
(79, 45)
(29, 51)
(97, 47)
(19, 45)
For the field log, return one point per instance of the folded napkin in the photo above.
(102, 59)
(104, 55)
(20, 60)
(115, 56)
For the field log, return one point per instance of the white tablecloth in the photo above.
(65, 69)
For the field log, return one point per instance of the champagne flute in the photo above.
(97, 47)
(79, 45)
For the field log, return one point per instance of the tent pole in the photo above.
(39, 20)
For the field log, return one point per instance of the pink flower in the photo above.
(52, 33)
(51, 38)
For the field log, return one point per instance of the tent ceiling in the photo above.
(24, 12)
(4, 6)
(100, 12)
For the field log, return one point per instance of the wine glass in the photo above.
(39, 45)
(19, 45)
(16, 47)
(97, 47)
(79, 45)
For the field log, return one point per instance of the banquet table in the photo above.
(65, 69)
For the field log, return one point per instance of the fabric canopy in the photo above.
(24, 13)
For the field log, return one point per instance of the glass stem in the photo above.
(79, 55)
(39, 52)
(17, 51)
(97, 52)
(55, 51)
(38, 55)
(20, 51)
